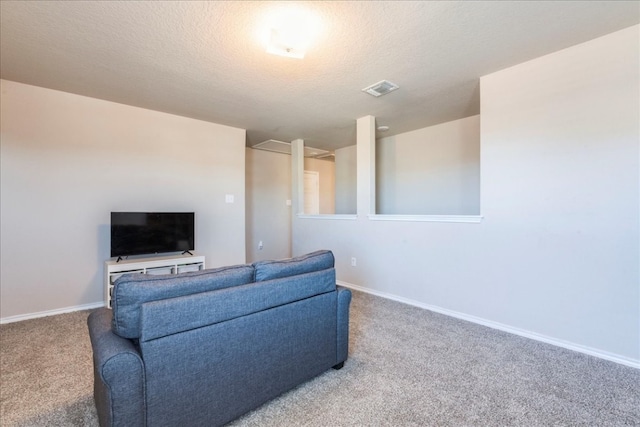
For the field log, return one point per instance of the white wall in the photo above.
(268, 215)
(560, 161)
(67, 161)
(556, 256)
(430, 171)
(346, 185)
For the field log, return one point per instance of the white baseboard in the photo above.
(28, 316)
(502, 327)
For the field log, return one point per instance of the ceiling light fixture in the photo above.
(290, 31)
(383, 128)
(383, 87)
(285, 43)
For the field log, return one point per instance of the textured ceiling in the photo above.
(203, 59)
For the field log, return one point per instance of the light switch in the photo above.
(228, 198)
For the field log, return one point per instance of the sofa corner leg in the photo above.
(338, 366)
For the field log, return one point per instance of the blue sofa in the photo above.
(203, 348)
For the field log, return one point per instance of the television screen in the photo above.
(140, 233)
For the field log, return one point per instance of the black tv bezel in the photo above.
(160, 250)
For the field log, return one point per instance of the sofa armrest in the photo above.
(118, 372)
(344, 300)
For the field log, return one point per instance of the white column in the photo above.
(366, 165)
(297, 176)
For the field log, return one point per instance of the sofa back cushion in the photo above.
(314, 261)
(132, 290)
(208, 308)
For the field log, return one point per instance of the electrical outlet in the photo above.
(353, 261)
(260, 245)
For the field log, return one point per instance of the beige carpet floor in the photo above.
(407, 367)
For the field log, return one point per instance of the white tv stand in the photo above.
(153, 265)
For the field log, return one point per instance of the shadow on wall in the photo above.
(104, 254)
(346, 180)
(430, 171)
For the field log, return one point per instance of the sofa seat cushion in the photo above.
(314, 261)
(132, 290)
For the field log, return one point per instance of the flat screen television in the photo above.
(142, 233)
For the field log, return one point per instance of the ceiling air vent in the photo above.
(381, 88)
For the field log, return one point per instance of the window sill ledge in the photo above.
(328, 216)
(474, 219)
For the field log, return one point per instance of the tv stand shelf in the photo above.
(153, 265)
